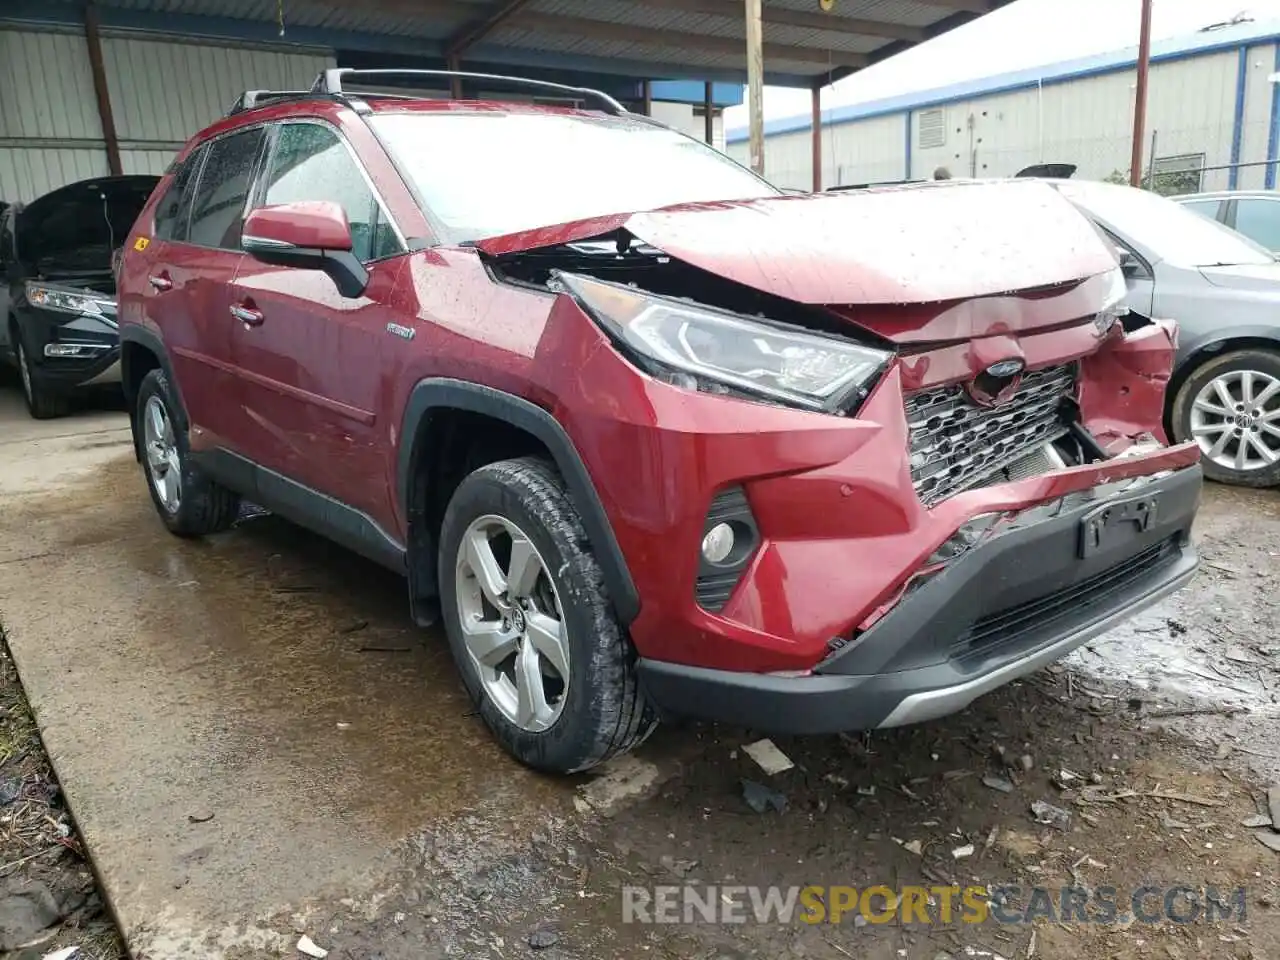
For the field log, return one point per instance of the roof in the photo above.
(652, 39)
(1173, 49)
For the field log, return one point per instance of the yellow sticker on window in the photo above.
(141, 243)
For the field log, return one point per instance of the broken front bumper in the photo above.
(1054, 578)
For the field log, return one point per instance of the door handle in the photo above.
(160, 281)
(249, 316)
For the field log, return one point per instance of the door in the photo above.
(309, 358)
(1258, 218)
(193, 262)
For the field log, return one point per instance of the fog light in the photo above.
(718, 543)
(63, 350)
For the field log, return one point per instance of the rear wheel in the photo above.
(542, 655)
(42, 403)
(189, 503)
(1230, 406)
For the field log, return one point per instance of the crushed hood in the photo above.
(923, 243)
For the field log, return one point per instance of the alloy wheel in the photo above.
(512, 623)
(1235, 419)
(163, 461)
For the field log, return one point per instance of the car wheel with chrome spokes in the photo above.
(189, 503)
(530, 625)
(1230, 407)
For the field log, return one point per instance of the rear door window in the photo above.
(217, 211)
(1259, 219)
(174, 210)
(310, 162)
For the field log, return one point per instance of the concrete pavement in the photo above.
(262, 678)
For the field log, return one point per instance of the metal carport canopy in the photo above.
(676, 39)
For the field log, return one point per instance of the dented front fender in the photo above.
(1123, 385)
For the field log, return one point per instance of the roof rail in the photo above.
(331, 81)
(256, 98)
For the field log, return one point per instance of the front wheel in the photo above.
(42, 403)
(541, 653)
(1230, 406)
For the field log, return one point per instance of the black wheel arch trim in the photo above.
(141, 336)
(436, 393)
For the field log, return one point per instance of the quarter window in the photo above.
(310, 162)
(1259, 220)
(217, 213)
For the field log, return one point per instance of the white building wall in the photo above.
(49, 127)
(1087, 121)
(154, 115)
(681, 116)
(162, 92)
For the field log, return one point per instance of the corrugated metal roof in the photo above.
(679, 32)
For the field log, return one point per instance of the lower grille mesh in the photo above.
(955, 443)
(1009, 626)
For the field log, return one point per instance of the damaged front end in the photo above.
(903, 426)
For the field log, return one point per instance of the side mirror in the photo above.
(309, 235)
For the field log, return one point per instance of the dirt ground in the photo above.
(1158, 741)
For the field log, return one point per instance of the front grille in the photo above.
(1023, 623)
(956, 444)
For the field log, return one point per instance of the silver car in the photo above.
(1224, 292)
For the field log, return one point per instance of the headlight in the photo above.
(67, 301)
(1114, 306)
(712, 350)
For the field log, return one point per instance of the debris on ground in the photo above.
(1269, 839)
(1169, 823)
(308, 947)
(997, 783)
(543, 937)
(66, 953)
(960, 853)
(760, 798)
(1273, 806)
(914, 846)
(1257, 820)
(10, 790)
(770, 759)
(681, 868)
(26, 911)
(1050, 815)
(200, 816)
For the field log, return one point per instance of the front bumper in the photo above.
(96, 338)
(1018, 602)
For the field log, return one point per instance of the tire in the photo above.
(1239, 385)
(199, 506)
(600, 712)
(42, 403)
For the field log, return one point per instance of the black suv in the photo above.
(56, 255)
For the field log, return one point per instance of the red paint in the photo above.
(316, 224)
(959, 276)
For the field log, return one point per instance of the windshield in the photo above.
(1172, 233)
(488, 174)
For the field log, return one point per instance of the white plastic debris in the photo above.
(914, 846)
(308, 946)
(768, 756)
(66, 953)
(959, 853)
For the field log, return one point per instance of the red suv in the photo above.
(648, 436)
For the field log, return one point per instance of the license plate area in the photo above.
(1117, 520)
